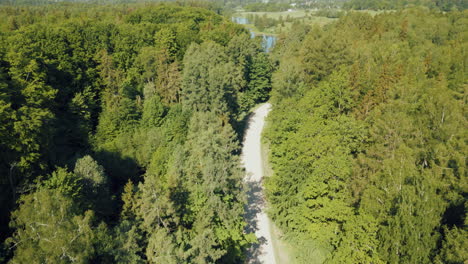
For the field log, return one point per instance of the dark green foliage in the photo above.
(213, 177)
(128, 243)
(260, 78)
(109, 92)
(208, 82)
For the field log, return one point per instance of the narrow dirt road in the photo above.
(257, 220)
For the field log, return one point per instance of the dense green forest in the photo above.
(368, 139)
(120, 133)
(121, 125)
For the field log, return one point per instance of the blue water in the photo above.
(240, 20)
(268, 41)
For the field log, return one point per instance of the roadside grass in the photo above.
(305, 250)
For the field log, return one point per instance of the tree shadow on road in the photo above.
(242, 126)
(255, 203)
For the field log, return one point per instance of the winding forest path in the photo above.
(256, 217)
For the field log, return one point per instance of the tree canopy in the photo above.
(367, 138)
(107, 150)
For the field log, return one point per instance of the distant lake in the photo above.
(240, 20)
(268, 41)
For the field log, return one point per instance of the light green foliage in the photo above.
(358, 244)
(153, 112)
(129, 201)
(49, 229)
(366, 138)
(161, 248)
(318, 170)
(165, 40)
(91, 173)
(337, 92)
(35, 91)
(95, 185)
(454, 247)
(65, 182)
(120, 115)
(29, 126)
